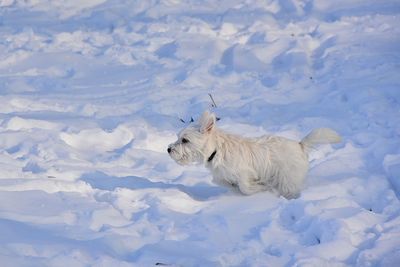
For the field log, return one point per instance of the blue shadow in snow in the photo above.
(103, 181)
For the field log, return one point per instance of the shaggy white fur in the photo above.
(270, 163)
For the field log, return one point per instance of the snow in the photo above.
(92, 92)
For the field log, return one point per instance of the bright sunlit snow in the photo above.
(92, 92)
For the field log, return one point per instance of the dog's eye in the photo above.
(184, 141)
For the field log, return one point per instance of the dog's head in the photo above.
(194, 143)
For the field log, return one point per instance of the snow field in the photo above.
(92, 92)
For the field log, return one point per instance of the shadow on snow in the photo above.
(100, 180)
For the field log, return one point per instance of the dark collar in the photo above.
(210, 158)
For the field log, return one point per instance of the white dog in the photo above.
(270, 163)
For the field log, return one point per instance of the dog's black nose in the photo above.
(169, 150)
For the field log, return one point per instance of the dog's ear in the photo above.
(207, 122)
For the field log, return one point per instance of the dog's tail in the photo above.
(319, 136)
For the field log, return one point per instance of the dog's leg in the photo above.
(222, 182)
(249, 186)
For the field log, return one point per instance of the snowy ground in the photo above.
(92, 93)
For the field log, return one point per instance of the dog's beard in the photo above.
(185, 156)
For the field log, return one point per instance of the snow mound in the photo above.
(97, 139)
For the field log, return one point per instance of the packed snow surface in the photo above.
(92, 92)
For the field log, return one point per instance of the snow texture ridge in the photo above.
(92, 92)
